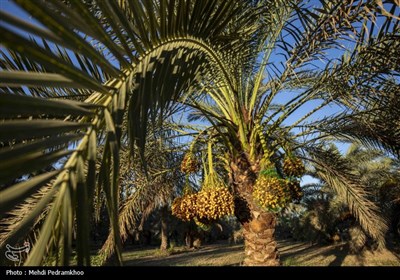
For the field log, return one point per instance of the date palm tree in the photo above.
(85, 71)
(145, 190)
(374, 171)
(78, 75)
(263, 116)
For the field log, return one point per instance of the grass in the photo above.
(291, 261)
(292, 254)
(305, 254)
(210, 255)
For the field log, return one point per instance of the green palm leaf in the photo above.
(106, 56)
(336, 172)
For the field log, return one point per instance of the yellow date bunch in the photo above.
(189, 164)
(293, 167)
(214, 203)
(271, 193)
(209, 204)
(184, 207)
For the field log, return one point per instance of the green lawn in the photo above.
(292, 254)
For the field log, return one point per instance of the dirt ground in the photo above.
(292, 254)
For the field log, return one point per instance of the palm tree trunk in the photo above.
(164, 229)
(260, 245)
(258, 224)
(190, 235)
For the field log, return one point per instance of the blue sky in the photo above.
(12, 8)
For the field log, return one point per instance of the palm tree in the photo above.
(144, 190)
(77, 76)
(85, 71)
(370, 166)
(257, 139)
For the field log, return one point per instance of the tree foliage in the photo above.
(87, 74)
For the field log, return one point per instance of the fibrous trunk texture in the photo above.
(260, 244)
(258, 224)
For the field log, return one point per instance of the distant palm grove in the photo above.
(120, 114)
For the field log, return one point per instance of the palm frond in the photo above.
(373, 130)
(101, 55)
(333, 169)
(145, 192)
(89, 72)
(25, 217)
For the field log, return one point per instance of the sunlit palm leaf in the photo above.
(336, 172)
(252, 126)
(101, 54)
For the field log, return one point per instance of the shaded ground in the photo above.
(292, 254)
(305, 254)
(220, 254)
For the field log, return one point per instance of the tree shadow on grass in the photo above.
(187, 257)
(286, 249)
(304, 253)
(340, 254)
(300, 249)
